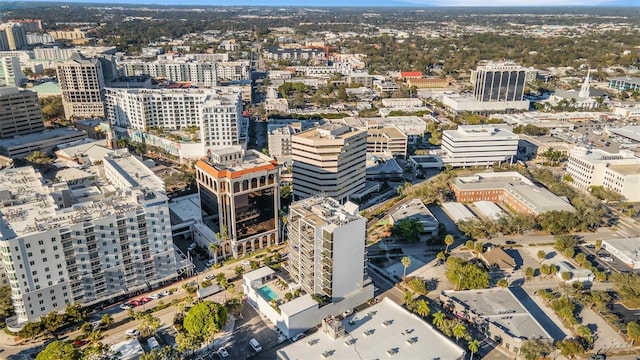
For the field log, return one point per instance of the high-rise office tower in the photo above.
(329, 160)
(20, 112)
(499, 82)
(240, 199)
(10, 71)
(82, 82)
(105, 235)
(326, 243)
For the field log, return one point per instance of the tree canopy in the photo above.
(408, 229)
(59, 350)
(465, 275)
(205, 319)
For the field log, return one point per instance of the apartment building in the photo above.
(386, 140)
(82, 82)
(188, 69)
(216, 114)
(330, 160)
(240, 200)
(499, 82)
(85, 242)
(13, 36)
(478, 145)
(595, 167)
(20, 112)
(509, 188)
(327, 247)
(10, 72)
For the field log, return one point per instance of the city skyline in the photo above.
(363, 3)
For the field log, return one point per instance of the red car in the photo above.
(145, 300)
(135, 303)
(79, 343)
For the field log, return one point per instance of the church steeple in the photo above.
(584, 90)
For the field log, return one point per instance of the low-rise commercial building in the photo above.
(478, 145)
(46, 141)
(415, 209)
(510, 188)
(383, 330)
(626, 250)
(595, 167)
(504, 315)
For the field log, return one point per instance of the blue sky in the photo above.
(385, 3)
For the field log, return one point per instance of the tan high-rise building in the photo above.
(240, 199)
(15, 37)
(20, 112)
(82, 83)
(329, 160)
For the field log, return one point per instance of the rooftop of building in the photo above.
(322, 210)
(380, 331)
(500, 65)
(623, 157)
(30, 205)
(224, 96)
(414, 209)
(629, 247)
(629, 79)
(538, 199)
(631, 132)
(329, 132)
(186, 208)
(481, 131)
(391, 132)
(632, 169)
(251, 161)
(63, 132)
(502, 307)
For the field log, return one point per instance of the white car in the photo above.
(125, 306)
(156, 296)
(223, 352)
(347, 312)
(607, 259)
(132, 332)
(210, 262)
(246, 263)
(298, 337)
(192, 246)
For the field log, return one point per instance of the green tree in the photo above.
(466, 275)
(439, 320)
(541, 255)
(585, 333)
(75, 312)
(566, 275)
(474, 346)
(31, 330)
(52, 321)
(459, 331)
(38, 158)
(239, 271)
(214, 247)
(6, 306)
(406, 262)
(529, 272)
(633, 331)
(205, 319)
(565, 241)
(106, 320)
(421, 307)
(149, 325)
(408, 229)
(187, 342)
(570, 347)
(503, 283)
(535, 349)
(448, 240)
(166, 353)
(59, 350)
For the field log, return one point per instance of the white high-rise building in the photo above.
(102, 235)
(329, 160)
(10, 72)
(499, 82)
(214, 112)
(327, 247)
(595, 167)
(478, 145)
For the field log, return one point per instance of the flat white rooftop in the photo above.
(381, 331)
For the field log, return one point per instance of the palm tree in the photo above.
(406, 262)
(95, 337)
(448, 240)
(439, 320)
(459, 331)
(421, 307)
(214, 247)
(474, 346)
(106, 320)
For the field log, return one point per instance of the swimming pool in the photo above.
(267, 293)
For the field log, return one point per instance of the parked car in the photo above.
(126, 306)
(134, 303)
(255, 345)
(79, 343)
(132, 332)
(210, 262)
(347, 312)
(298, 337)
(145, 300)
(210, 277)
(192, 246)
(223, 352)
